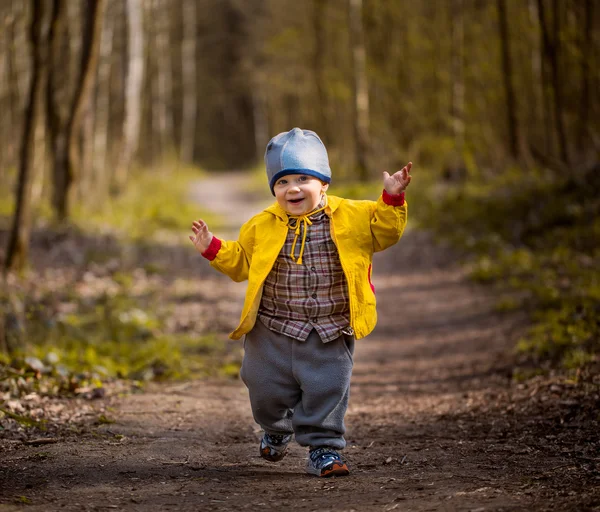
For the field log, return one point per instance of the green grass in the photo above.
(154, 204)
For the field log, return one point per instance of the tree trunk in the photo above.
(458, 87)
(188, 67)
(550, 48)
(102, 118)
(133, 91)
(14, 111)
(538, 102)
(64, 129)
(6, 127)
(586, 57)
(360, 89)
(163, 76)
(92, 30)
(18, 241)
(55, 115)
(511, 107)
(319, 68)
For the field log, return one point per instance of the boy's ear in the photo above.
(324, 186)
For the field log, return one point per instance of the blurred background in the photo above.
(113, 109)
(458, 85)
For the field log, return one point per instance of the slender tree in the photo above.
(550, 47)
(319, 69)
(457, 113)
(133, 91)
(189, 79)
(56, 116)
(586, 58)
(507, 72)
(163, 74)
(18, 242)
(103, 104)
(64, 125)
(92, 30)
(360, 104)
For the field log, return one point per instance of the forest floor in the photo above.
(435, 422)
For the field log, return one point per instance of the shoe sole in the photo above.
(337, 469)
(265, 453)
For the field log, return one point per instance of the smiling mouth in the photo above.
(296, 201)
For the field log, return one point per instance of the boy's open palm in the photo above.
(397, 182)
(202, 236)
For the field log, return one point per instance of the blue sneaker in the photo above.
(273, 447)
(326, 461)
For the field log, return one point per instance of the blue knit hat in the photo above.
(296, 152)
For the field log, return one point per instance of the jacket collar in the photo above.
(332, 205)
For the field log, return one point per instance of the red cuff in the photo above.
(393, 199)
(211, 253)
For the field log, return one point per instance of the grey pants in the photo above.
(299, 387)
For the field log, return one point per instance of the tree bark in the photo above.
(56, 118)
(550, 48)
(6, 148)
(15, 100)
(188, 67)
(537, 104)
(64, 129)
(163, 76)
(360, 89)
(586, 57)
(102, 118)
(511, 107)
(18, 242)
(92, 31)
(319, 53)
(133, 91)
(458, 87)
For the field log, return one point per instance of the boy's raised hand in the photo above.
(202, 236)
(397, 182)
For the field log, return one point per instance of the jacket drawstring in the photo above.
(307, 222)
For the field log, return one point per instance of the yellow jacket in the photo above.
(358, 229)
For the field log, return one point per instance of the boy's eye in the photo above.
(281, 182)
(303, 178)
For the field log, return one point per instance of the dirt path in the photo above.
(435, 422)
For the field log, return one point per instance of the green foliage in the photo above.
(102, 338)
(532, 232)
(155, 204)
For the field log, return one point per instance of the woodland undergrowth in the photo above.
(535, 236)
(98, 311)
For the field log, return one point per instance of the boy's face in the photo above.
(298, 194)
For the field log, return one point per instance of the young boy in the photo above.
(307, 259)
